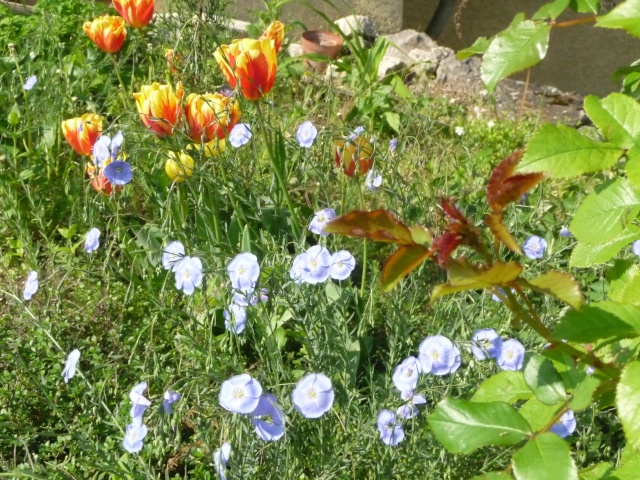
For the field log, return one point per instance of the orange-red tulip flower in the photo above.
(82, 132)
(354, 156)
(137, 13)
(107, 32)
(98, 181)
(159, 107)
(211, 115)
(275, 32)
(249, 63)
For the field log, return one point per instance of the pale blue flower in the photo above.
(247, 297)
(70, 365)
(317, 266)
(220, 459)
(320, 220)
(268, 418)
(138, 400)
(565, 232)
(391, 432)
(244, 271)
(405, 376)
(92, 240)
(565, 426)
(297, 268)
(105, 149)
(635, 247)
(31, 285)
(511, 355)
(170, 397)
(235, 318)
(118, 172)
(410, 409)
(240, 135)
(373, 180)
(485, 342)
(590, 370)
(172, 255)
(534, 247)
(496, 298)
(393, 144)
(306, 134)
(188, 274)
(134, 436)
(30, 83)
(356, 133)
(313, 395)
(438, 355)
(342, 264)
(240, 394)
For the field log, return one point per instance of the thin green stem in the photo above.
(27, 109)
(122, 89)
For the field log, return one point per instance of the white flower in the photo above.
(459, 131)
(92, 240)
(235, 318)
(240, 394)
(373, 180)
(244, 271)
(297, 268)
(31, 285)
(30, 83)
(188, 274)
(306, 134)
(70, 365)
(240, 135)
(172, 255)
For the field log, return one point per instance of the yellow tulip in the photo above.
(179, 166)
(82, 132)
(212, 148)
(209, 116)
(159, 107)
(107, 32)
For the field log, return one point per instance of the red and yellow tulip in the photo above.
(82, 132)
(107, 32)
(98, 181)
(137, 13)
(179, 166)
(275, 31)
(354, 156)
(159, 107)
(250, 64)
(211, 115)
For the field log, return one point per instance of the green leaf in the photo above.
(599, 321)
(632, 166)
(246, 239)
(507, 386)
(612, 206)
(585, 6)
(560, 285)
(598, 471)
(400, 263)
(463, 426)
(628, 403)
(544, 457)
(538, 414)
(493, 476)
(479, 47)
(625, 16)
(499, 274)
(551, 10)
(393, 120)
(586, 254)
(543, 379)
(520, 46)
(563, 152)
(617, 116)
(583, 394)
(624, 282)
(400, 88)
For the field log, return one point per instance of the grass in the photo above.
(120, 308)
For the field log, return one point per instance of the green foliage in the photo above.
(545, 456)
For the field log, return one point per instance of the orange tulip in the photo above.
(275, 32)
(210, 116)
(137, 13)
(354, 156)
(82, 132)
(159, 107)
(98, 181)
(249, 63)
(107, 32)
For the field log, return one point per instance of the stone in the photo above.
(390, 65)
(240, 28)
(357, 25)
(461, 76)
(428, 60)
(403, 42)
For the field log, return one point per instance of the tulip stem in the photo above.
(278, 172)
(122, 89)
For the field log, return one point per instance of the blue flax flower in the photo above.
(393, 144)
(391, 432)
(405, 376)
(438, 355)
(220, 459)
(139, 402)
(635, 248)
(486, 342)
(188, 274)
(70, 365)
(170, 397)
(240, 135)
(134, 436)
(172, 255)
(31, 285)
(511, 355)
(317, 265)
(246, 297)
(306, 134)
(565, 426)
(240, 394)
(92, 240)
(106, 150)
(342, 264)
(298, 268)
(534, 247)
(565, 232)
(373, 180)
(268, 418)
(409, 409)
(313, 395)
(320, 220)
(118, 172)
(235, 318)
(30, 83)
(244, 271)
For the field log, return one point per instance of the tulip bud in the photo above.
(137, 13)
(275, 32)
(179, 167)
(354, 156)
(82, 132)
(107, 32)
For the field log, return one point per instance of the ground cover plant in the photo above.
(183, 295)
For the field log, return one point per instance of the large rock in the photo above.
(407, 40)
(357, 25)
(389, 65)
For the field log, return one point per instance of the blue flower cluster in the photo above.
(244, 272)
(486, 343)
(187, 270)
(317, 264)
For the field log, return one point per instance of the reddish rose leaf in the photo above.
(445, 245)
(498, 176)
(504, 187)
(398, 265)
(452, 211)
(379, 225)
(514, 187)
(494, 222)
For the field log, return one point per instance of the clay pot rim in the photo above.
(314, 36)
